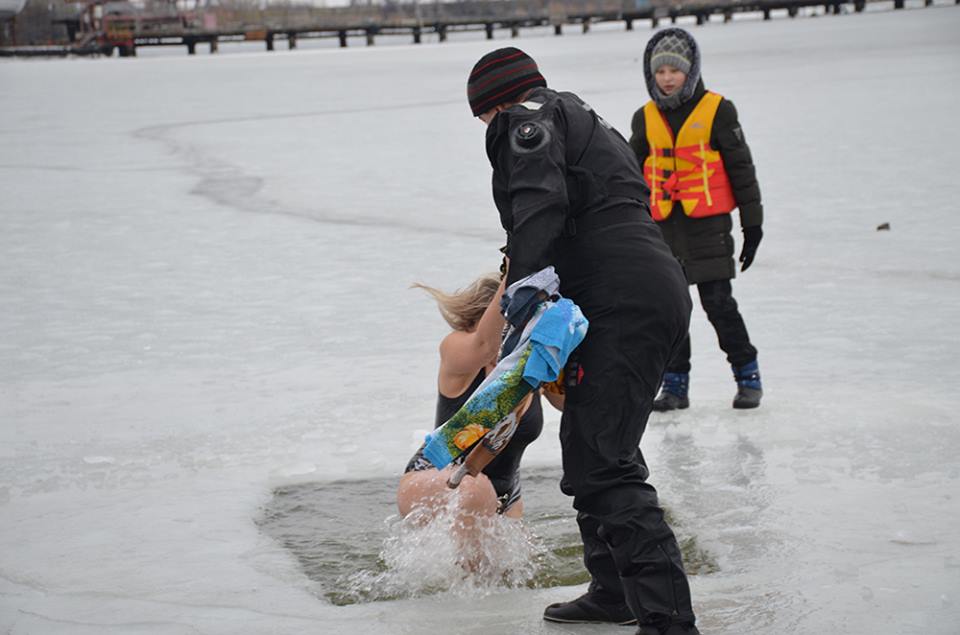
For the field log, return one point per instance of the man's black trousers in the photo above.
(634, 294)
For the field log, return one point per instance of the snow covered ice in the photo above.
(204, 291)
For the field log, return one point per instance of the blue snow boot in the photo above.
(673, 392)
(749, 388)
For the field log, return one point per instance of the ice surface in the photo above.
(204, 296)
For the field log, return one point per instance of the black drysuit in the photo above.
(570, 194)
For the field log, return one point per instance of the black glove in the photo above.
(751, 240)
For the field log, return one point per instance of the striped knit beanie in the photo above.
(501, 76)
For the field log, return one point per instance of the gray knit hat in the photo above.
(674, 51)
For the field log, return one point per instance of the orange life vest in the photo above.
(688, 170)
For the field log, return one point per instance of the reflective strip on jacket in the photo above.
(687, 170)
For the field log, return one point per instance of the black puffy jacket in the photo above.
(705, 246)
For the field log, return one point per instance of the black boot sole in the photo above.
(557, 620)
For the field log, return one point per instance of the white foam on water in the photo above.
(424, 554)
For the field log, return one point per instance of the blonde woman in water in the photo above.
(467, 354)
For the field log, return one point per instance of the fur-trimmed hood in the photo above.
(693, 77)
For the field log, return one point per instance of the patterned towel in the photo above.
(492, 402)
(553, 330)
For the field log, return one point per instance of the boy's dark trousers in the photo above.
(716, 297)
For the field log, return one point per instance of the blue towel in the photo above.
(558, 330)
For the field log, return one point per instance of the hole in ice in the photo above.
(348, 538)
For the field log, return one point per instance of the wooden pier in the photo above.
(125, 35)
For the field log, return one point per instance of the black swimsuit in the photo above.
(503, 470)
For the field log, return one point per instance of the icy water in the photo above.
(204, 271)
(348, 539)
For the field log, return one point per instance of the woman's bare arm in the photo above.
(463, 354)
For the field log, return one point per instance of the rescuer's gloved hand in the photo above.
(751, 240)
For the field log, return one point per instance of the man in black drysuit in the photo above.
(571, 194)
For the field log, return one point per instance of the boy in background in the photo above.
(698, 166)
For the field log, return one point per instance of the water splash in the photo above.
(430, 551)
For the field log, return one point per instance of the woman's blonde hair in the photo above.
(463, 308)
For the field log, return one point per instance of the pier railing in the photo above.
(125, 33)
